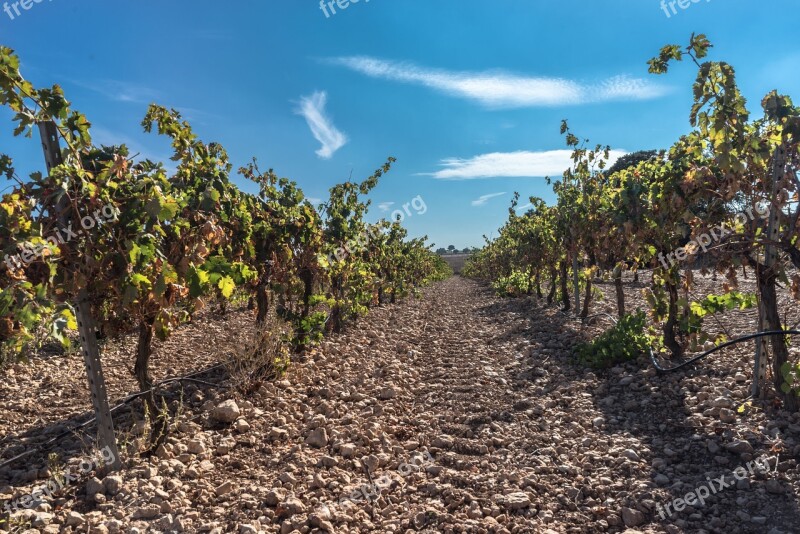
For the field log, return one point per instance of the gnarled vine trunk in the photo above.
(551, 295)
(538, 283)
(772, 321)
(671, 325)
(562, 265)
(620, 291)
(307, 277)
(262, 302)
(587, 300)
(141, 369)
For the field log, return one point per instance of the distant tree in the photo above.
(466, 251)
(631, 160)
(451, 249)
(441, 251)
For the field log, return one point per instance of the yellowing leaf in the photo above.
(226, 286)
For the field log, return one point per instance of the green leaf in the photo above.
(168, 211)
(226, 286)
(140, 281)
(197, 281)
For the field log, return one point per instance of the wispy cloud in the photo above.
(500, 89)
(486, 198)
(107, 137)
(525, 207)
(385, 206)
(313, 109)
(521, 164)
(120, 91)
(199, 116)
(132, 93)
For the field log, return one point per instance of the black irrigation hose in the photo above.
(661, 369)
(127, 400)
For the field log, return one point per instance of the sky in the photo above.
(467, 95)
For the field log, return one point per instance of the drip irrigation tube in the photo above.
(661, 369)
(127, 400)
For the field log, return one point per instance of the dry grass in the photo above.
(265, 355)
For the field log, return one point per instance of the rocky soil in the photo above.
(453, 412)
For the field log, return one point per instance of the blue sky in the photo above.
(467, 95)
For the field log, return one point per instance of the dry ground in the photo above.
(468, 409)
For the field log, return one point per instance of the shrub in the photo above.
(265, 356)
(514, 285)
(626, 341)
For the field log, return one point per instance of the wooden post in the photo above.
(86, 327)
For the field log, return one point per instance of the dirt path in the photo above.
(460, 412)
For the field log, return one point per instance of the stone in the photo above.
(226, 412)
(274, 497)
(74, 519)
(727, 416)
(147, 512)
(522, 405)
(278, 434)
(241, 425)
(41, 519)
(514, 501)
(196, 446)
(94, 486)
(632, 517)
(112, 484)
(387, 393)
(348, 450)
(224, 488)
(740, 447)
(317, 438)
(774, 487)
(630, 454)
(289, 507)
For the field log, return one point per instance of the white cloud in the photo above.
(521, 164)
(198, 116)
(499, 89)
(385, 206)
(120, 91)
(485, 198)
(104, 136)
(313, 109)
(525, 207)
